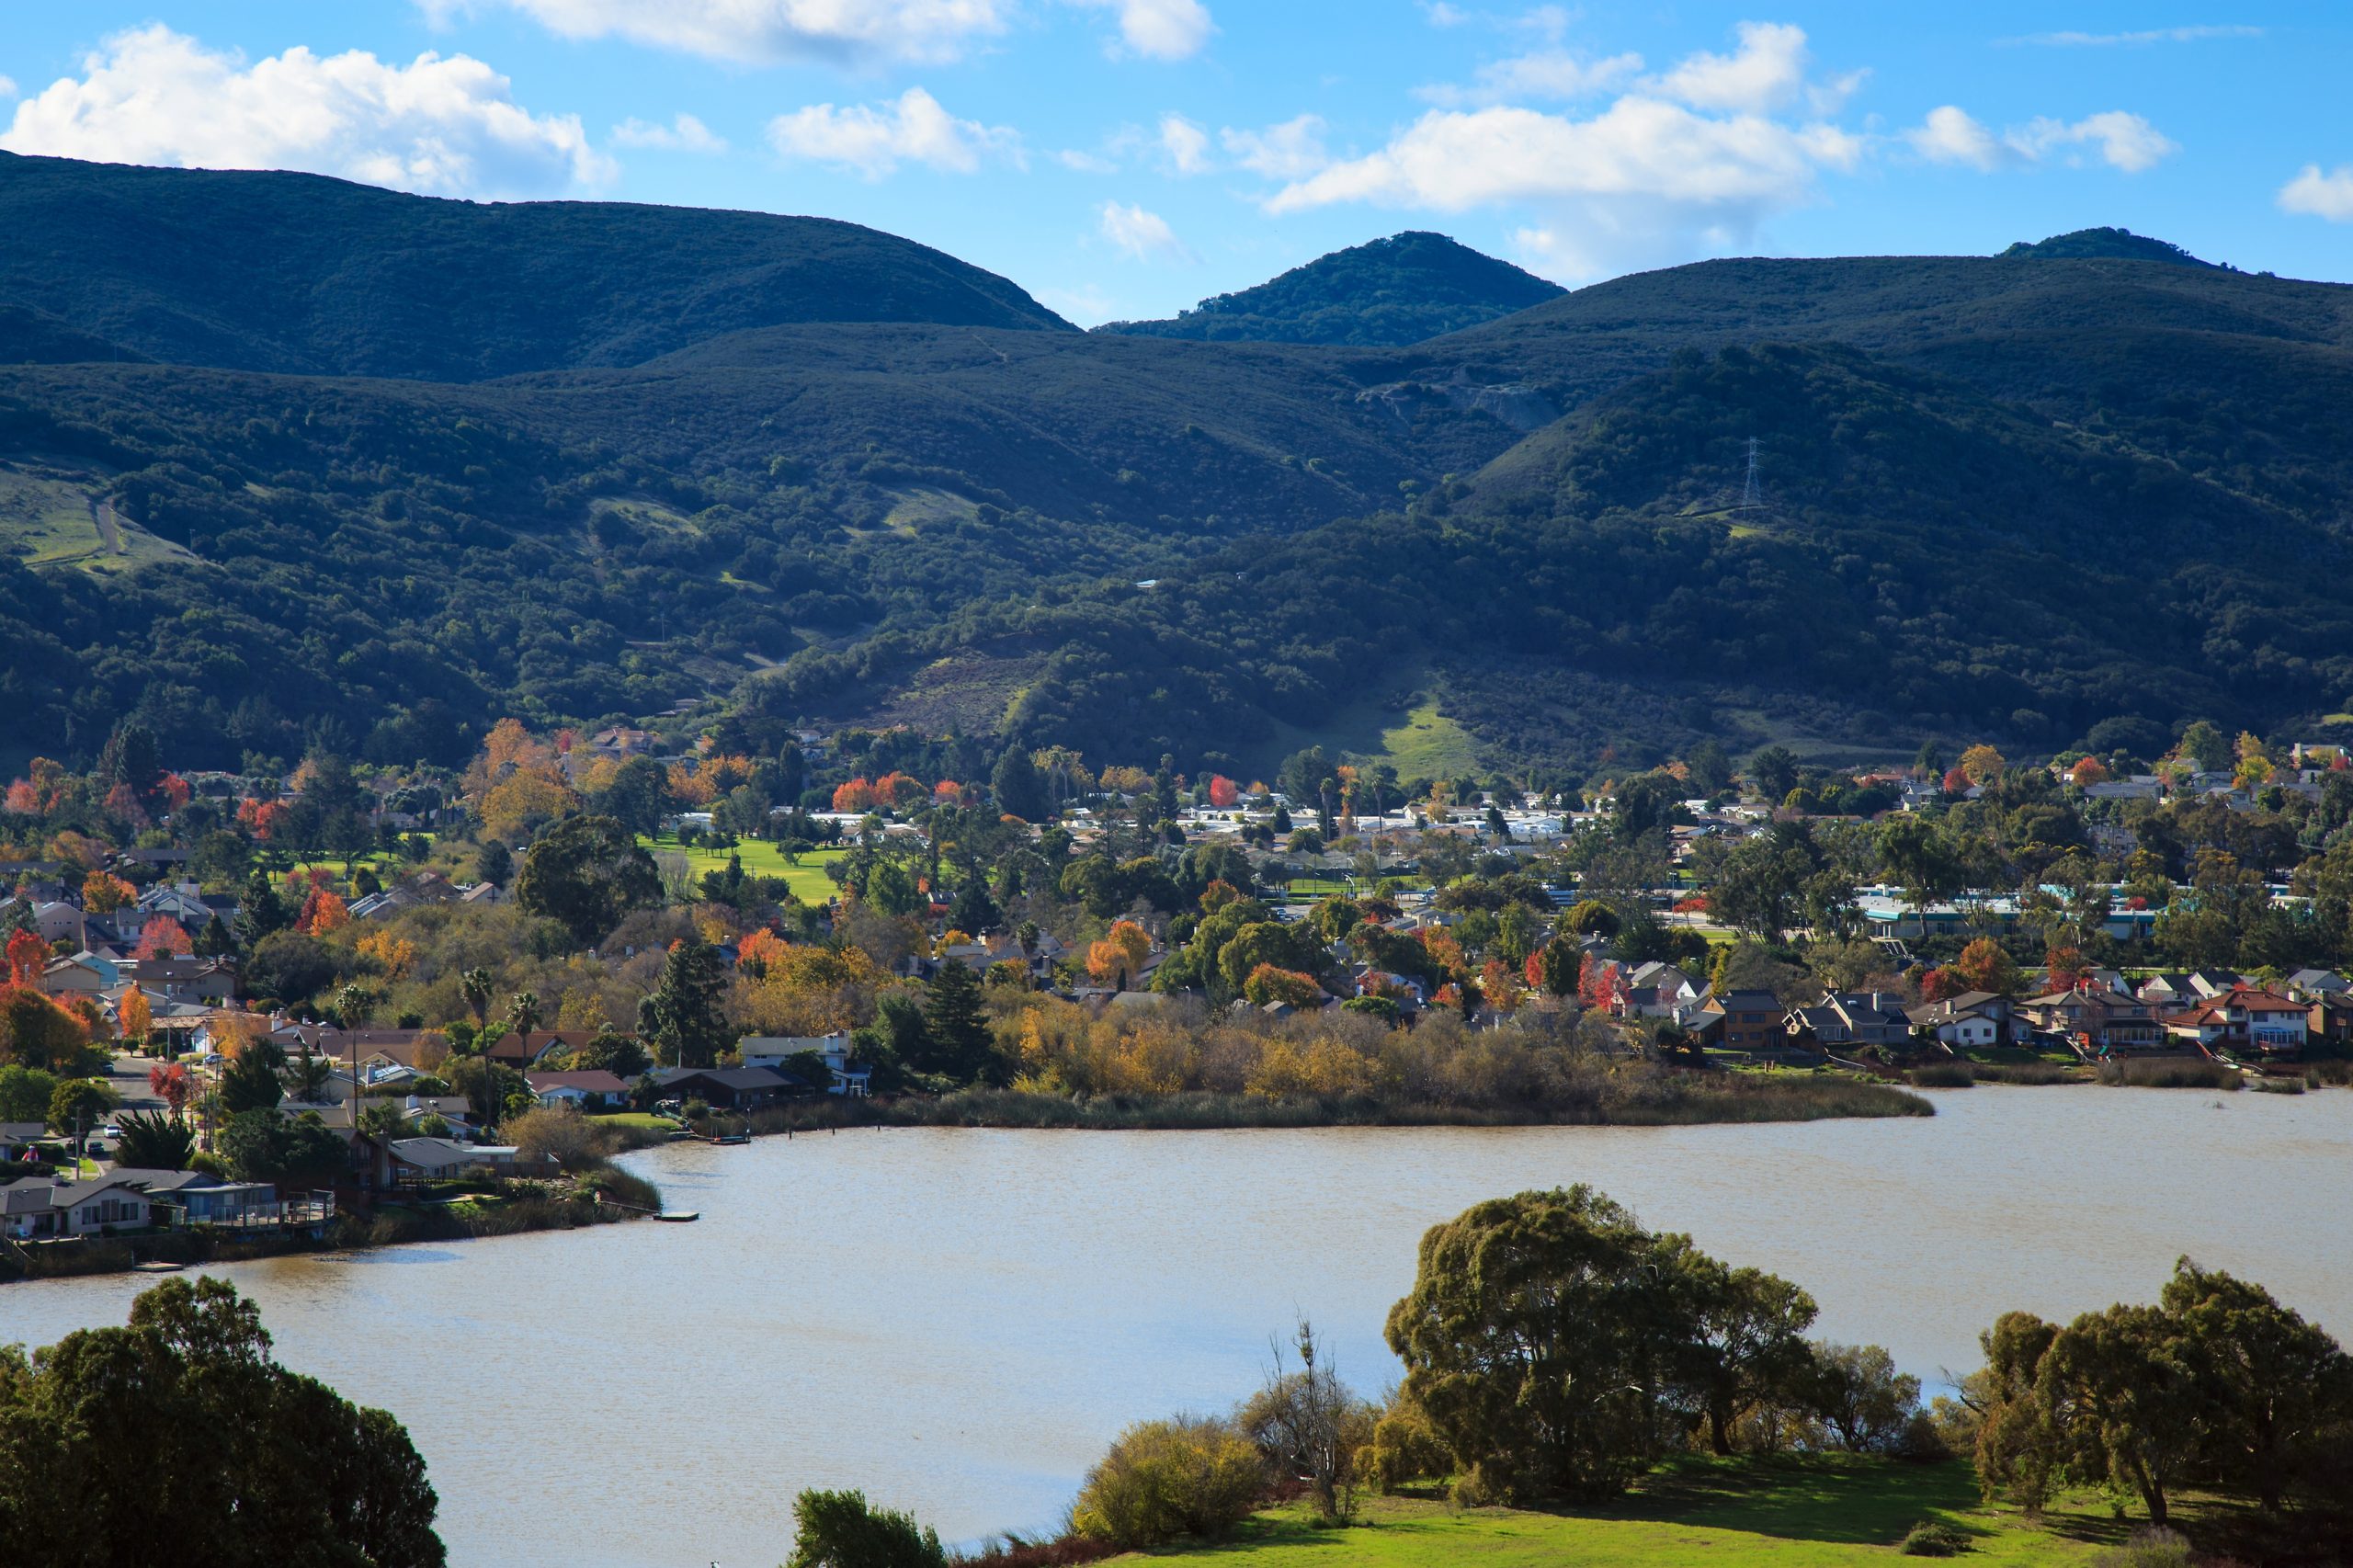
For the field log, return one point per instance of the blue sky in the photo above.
(1125, 158)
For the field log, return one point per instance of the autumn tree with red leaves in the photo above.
(163, 937)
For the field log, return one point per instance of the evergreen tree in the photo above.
(260, 912)
(957, 1034)
(588, 872)
(131, 757)
(974, 910)
(1019, 792)
(682, 1017)
(250, 1083)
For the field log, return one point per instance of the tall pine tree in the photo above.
(958, 1032)
(682, 1017)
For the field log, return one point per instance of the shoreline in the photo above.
(387, 1225)
(1672, 1104)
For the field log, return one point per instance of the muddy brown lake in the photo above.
(958, 1321)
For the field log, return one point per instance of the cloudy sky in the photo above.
(1125, 158)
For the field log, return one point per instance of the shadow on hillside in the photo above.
(1828, 1498)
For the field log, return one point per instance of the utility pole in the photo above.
(1752, 499)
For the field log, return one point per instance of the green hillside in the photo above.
(2004, 496)
(1394, 291)
(308, 275)
(1926, 560)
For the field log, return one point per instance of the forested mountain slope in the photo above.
(1925, 560)
(303, 273)
(1392, 292)
(2011, 497)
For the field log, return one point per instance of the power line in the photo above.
(1752, 498)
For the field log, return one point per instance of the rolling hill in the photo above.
(801, 472)
(1388, 293)
(305, 274)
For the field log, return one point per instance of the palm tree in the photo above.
(475, 983)
(351, 1004)
(523, 1012)
(306, 1075)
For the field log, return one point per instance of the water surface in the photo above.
(960, 1320)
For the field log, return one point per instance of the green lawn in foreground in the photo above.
(761, 859)
(1813, 1512)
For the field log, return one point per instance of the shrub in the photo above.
(1932, 1537)
(1164, 1481)
(839, 1529)
(1921, 1441)
(1868, 1406)
(1404, 1448)
(2152, 1547)
(1943, 1076)
(2196, 1073)
(2031, 1072)
(574, 1140)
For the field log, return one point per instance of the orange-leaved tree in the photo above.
(27, 956)
(1267, 984)
(322, 911)
(103, 893)
(163, 937)
(1121, 956)
(1983, 966)
(132, 1015)
(757, 950)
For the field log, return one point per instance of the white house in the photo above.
(770, 1051)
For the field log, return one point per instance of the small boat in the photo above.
(733, 1138)
(679, 1216)
(158, 1268)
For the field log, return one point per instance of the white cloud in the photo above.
(1143, 235)
(854, 31)
(2121, 141)
(2125, 142)
(1185, 144)
(1547, 73)
(1290, 151)
(8, 87)
(1639, 180)
(2151, 35)
(1829, 97)
(2319, 194)
(1950, 135)
(684, 133)
(442, 126)
(1086, 163)
(1159, 30)
(1696, 157)
(875, 139)
(1545, 21)
(1442, 14)
(1765, 73)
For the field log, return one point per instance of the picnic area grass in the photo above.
(761, 859)
(1812, 1511)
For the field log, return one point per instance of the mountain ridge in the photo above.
(2005, 497)
(305, 274)
(1386, 292)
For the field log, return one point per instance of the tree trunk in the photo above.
(1719, 1438)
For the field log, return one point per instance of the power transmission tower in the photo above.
(1752, 499)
